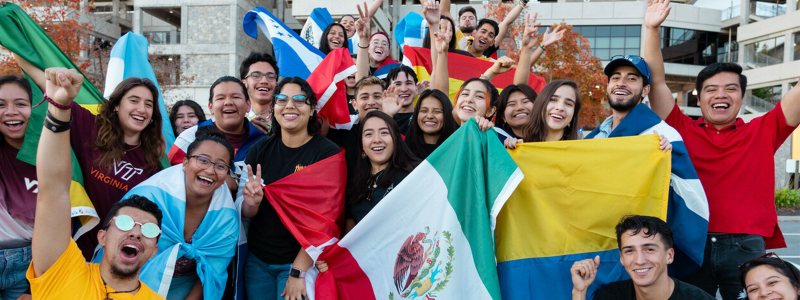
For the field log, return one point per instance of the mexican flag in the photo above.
(21, 35)
(432, 236)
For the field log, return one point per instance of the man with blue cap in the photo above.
(628, 84)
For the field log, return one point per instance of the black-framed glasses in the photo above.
(126, 223)
(298, 100)
(258, 75)
(203, 163)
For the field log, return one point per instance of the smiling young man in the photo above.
(58, 270)
(259, 73)
(404, 80)
(734, 161)
(645, 250)
(468, 26)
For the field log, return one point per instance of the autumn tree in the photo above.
(571, 58)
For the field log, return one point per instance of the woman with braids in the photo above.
(116, 149)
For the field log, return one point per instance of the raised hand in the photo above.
(664, 143)
(422, 85)
(550, 37)
(391, 102)
(657, 12)
(253, 192)
(531, 33)
(62, 84)
(431, 11)
(363, 23)
(443, 36)
(583, 273)
(502, 65)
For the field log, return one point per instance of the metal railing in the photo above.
(758, 104)
(757, 59)
(163, 37)
(767, 10)
(731, 12)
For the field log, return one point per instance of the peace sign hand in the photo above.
(531, 33)
(363, 23)
(253, 192)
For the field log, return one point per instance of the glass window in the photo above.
(602, 54)
(686, 46)
(603, 31)
(633, 30)
(632, 42)
(607, 41)
(797, 44)
(764, 53)
(617, 42)
(587, 31)
(618, 30)
(602, 42)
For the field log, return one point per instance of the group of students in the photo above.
(265, 129)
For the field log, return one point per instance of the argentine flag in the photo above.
(410, 30)
(295, 56)
(129, 59)
(318, 20)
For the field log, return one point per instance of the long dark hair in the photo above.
(110, 137)
(426, 43)
(323, 44)
(536, 130)
(173, 112)
(401, 159)
(314, 122)
(22, 83)
(778, 265)
(491, 92)
(415, 138)
(501, 106)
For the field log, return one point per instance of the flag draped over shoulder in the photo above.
(178, 151)
(327, 81)
(295, 56)
(20, 34)
(318, 20)
(213, 243)
(688, 206)
(566, 209)
(432, 235)
(461, 68)
(385, 67)
(129, 59)
(410, 31)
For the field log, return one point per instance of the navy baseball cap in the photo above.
(629, 60)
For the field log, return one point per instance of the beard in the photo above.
(123, 274)
(466, 29)
(624, 105)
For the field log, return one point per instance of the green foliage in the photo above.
(787, 198)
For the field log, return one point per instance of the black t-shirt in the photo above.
(347, 140)
(359, 210)
(350, 103)
(623, 290)
(489, 51)
(269, 240)
(403, 121)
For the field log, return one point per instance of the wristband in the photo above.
(542, 46)
(56, 125)
(53, 103)
(483, 76)
(359, 46)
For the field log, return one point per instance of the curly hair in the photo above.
(314, 122)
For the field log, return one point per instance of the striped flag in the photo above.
(688, 206)
(317, 21)
(461, 68)
(327, 80)
(295, 56)
(129, 59)
(432, 236)
(21, 35)
(410, 31)
(566, 210)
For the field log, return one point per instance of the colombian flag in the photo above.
(21, 35)
(565, 210)
(461, 68)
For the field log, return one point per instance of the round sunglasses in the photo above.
(126, 223)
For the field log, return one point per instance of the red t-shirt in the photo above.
(104, 186)
(737, 169)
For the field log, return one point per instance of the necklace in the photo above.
(372, 184)
(119, 292)
(131, 149)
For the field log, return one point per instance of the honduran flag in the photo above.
(461, 68)
(213, 243)
(432, 236)
(20, 34)
(318, 20)
(410, 31)
(566, 210)
(327, 81)
(295, 56)
(129, 59)
(688, 206)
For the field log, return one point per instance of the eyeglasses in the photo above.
(376, 43)
(126, 223)
(258, 75)
(298, 100)
(203, 163)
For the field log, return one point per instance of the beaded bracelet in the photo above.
(542, 46)
(53, 103)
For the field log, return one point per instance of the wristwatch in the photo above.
(296, 273)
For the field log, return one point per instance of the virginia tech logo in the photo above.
(418, 272)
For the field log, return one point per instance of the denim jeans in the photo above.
(264, 281)
(723, 255)
(13, 266)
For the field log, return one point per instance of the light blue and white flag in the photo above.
(295, 56)
(318, 20)
(213, 243)
(129, 59)
(410, 30)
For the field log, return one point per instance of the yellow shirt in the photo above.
(462, 40)
(71, 277)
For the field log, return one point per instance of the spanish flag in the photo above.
(461, 68)
(21, 35)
